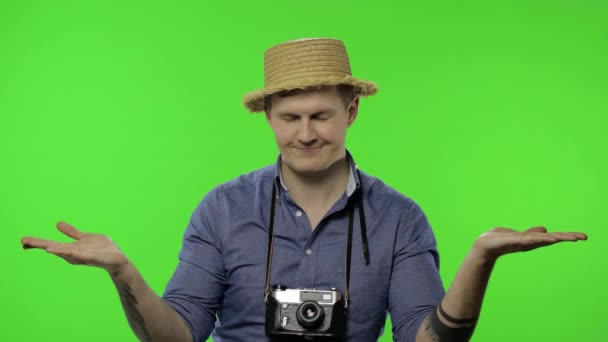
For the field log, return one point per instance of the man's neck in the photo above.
(318, 191)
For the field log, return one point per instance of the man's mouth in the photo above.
(308, 148)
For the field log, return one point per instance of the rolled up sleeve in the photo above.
(196, 288)
(416, 287)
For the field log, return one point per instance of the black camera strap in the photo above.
(358, 201)
(349, 242)
(270, 241)
(362, 223)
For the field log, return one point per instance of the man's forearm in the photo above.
(462, 301)
(150, 318)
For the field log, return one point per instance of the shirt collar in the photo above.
(353, 177)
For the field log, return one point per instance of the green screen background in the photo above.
(119, 116)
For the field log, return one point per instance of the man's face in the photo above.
(310, 128)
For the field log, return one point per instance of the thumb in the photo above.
(537, 229)
(69, 230)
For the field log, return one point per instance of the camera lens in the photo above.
(310, 314)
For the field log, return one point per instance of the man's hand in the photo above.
(464, 298)
(150, 318)
(501, 241)
(88, 249)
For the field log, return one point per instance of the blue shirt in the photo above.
(218, 286)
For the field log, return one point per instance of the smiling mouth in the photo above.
(308, 148)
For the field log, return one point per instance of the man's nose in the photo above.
(306, 132)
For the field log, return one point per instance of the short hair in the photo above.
(345, 91)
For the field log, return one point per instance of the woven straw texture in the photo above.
(305, 63)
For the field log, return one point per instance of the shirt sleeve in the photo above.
(196, 288)
(416, 288)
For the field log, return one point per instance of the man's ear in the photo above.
(353, 110)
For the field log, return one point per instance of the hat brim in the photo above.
(254, 101)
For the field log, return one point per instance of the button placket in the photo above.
(309, 260)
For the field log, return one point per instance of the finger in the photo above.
(65, 252)
(32, 242)
(529, 243)
(69, 230)
(569, 236)
(579, 235)
(62, 248)
(537, 229)
(536, 240)
(502, 230)
(25, 242)
(536, 245)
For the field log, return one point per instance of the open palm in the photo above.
(87, 249)
(500, 241)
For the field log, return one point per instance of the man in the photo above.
(311, 221)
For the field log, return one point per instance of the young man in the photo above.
(311, 221)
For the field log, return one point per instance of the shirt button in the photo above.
(309, 251)
(298, 213)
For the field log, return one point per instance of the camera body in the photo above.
(305, 312)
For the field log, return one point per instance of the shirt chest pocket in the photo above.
(368, 287)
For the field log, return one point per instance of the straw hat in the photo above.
(304, 63)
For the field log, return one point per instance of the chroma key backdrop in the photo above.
(119, 116)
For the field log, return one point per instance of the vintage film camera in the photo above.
(305, 312)
(310, 312)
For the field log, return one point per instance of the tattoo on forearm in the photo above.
(134, 317)
(437, 331)
(429, 330)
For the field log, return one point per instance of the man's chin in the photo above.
(308, 170)
(311, 167)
